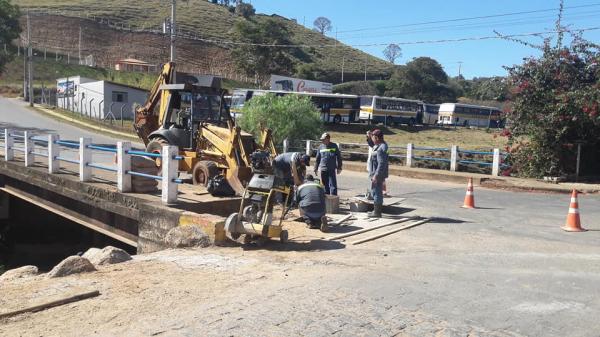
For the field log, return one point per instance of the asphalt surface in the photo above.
(506, 267)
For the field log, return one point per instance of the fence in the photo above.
(411, 154)
(49, 146)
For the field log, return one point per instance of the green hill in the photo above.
(210, 21)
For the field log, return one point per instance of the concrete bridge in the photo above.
(138, 220)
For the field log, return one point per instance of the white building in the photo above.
(98, 99)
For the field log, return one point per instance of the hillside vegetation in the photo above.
(213, 22)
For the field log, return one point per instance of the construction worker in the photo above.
(329, 160)
(290, 168)
(378, 170)
(311, 202)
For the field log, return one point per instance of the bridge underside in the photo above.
(137, 220)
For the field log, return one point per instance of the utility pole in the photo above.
(343, 61)
(459, 67)
(79, 47)
(365, 68)
(173, 4)
(29, 60)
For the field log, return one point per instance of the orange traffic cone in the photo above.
(469, 197)
(573, 223)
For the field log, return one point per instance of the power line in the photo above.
(513, 22)
(469, 18)
(476, 38)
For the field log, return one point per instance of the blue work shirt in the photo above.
(328, 158)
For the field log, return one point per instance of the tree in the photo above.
(263, 54)
(555, 105)
(422, 78)
(322, 24)
(245, 10)
(9, 28)
(392, 52)
(291, 116)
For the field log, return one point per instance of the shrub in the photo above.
(290, 116)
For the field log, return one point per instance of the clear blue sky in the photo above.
(377, 22)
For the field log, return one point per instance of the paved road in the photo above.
(503, 269)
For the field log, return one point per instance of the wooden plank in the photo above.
(52, 304)
(364, 230)
(340, 221)
(371, 238)
(88, 222)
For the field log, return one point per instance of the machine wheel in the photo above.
(155, 146)
(203, 171)
(411, 122)
(283, 236)
(230, 226)
(337, 119)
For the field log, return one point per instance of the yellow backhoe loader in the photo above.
(190, 112)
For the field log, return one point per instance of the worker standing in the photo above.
(378, 171)
(329, 161)
(311, 202)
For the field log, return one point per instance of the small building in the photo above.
(135, 65)
(97, 99)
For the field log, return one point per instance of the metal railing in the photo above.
(52, 144)
(411, 153)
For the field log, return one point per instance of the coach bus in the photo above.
(470, 115)
(390, 110)
(430, 113)
(334, 108)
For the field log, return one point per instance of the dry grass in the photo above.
(471, 139)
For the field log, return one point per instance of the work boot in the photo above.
(376, 212)
(324, 224)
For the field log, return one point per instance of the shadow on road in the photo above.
(312, 245)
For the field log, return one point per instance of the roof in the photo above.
(320, 94)
(135, 62)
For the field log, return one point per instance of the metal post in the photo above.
(496, 163)
(173, 5)
(123, 107)
(29, 149)
(123, 167)
(9, 152)
(285, 145)
(85, 157)
(308, 149)
(91, 101)
(454, 158)
(29, 62)
(578, 161)
(169, 174)
(409, 154)
(53, 153)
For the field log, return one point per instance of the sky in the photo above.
(409, 24)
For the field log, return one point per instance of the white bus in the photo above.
(390, 110)
(430, 113)
(334, 108)
(470, 115)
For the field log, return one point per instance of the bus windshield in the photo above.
(366, 100)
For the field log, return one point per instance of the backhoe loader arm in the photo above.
(146, 121)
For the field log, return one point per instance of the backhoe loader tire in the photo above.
(155, 146)
(203, 171)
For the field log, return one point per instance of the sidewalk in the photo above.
(484, 180)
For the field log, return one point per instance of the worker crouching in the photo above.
(311, 203)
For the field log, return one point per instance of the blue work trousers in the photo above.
(377, 192)
(329, 181)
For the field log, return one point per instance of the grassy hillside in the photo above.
(47, 71)
(210, 21)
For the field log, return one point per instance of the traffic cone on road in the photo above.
(469, 197)
(573, 223)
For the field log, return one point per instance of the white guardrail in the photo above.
(52, 144)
